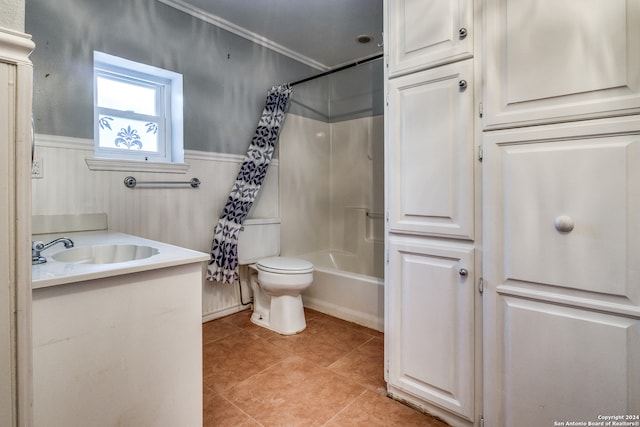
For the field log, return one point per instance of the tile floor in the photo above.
(331, 374)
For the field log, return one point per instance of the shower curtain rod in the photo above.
(344, 67)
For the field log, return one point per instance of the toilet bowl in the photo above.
(277, 282)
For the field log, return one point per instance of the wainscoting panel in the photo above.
(178, 215)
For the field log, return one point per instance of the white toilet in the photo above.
(277, 282)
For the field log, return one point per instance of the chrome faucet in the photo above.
(37, 247)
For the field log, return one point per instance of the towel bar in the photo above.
(131, 182)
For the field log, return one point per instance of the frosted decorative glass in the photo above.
(128, 134)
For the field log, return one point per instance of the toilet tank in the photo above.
(259, 238)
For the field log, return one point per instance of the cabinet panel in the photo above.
(431, 310)
(7, 344)
(15, 228)
(561, 302)
(430, 152)
(563, 364)
(550, 61)
(568, 210)
(423, 34)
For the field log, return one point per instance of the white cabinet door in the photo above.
(430, 327)
(562, 250)
(551, 61)
(423, 34)
(430, 152)
(15, 228)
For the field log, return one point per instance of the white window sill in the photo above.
(99, 164)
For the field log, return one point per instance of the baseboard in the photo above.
(207, 317)
(362, 319)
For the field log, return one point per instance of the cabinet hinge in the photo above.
(480, 110)
(481, 285)
(481, 421)
(386, 99)
(480, 153)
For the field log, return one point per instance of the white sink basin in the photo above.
(104, 254)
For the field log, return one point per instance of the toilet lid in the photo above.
(283, 265)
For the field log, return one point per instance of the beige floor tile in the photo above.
(330, 374)
(220, 412)
(213, 331)
(323, 342)
(371, 409)
(242, 319)
(294, 392)
(230, 360)
(364, 365)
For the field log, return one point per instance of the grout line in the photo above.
(346, 407)
(240, 409)
(353, 350)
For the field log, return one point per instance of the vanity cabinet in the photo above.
(431, 297)
(120, 351)
(423, 34)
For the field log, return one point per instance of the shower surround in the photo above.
(331, 207)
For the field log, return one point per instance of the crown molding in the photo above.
(242, 32)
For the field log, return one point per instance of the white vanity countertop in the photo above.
(53, 273)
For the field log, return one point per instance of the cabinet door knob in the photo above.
(564, 223)
(462, 84)
(462, 32)
(463, 272)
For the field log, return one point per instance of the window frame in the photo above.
(168, 86)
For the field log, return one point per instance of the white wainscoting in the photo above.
(311, 218)
(178, 215)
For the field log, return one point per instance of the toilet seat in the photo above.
(284, 265)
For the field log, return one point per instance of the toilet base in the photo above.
(285, 315)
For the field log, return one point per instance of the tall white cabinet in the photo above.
(15, 228)
(513, 283)
(431, 297)
(561, 208)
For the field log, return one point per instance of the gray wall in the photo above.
(351, 94)
(226, 77)
(357, 92)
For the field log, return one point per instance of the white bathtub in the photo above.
(342, 287)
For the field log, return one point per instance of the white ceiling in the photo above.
(320, 32)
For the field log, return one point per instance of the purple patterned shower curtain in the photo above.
(223, 265)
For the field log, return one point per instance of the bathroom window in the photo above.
(137, 111)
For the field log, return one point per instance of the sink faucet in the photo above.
(37, 247)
